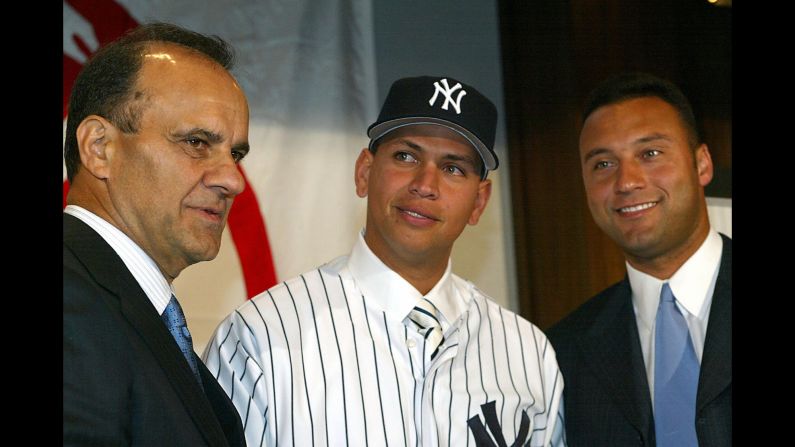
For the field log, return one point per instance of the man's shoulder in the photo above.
(310, 282)
(589, 312)
(79, 288)
(727, 246)
(81, 284)
(487, 304)
(92, 316)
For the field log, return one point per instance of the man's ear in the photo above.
(484, 193)
(704, 165)
(95, 138)
(362, 172)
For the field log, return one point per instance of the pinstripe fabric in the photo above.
(320, 360)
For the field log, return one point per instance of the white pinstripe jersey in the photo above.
(326, 359)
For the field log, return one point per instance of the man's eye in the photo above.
(405, 156)
(453, 169)
(196, 142)
(238, 155)
(601, 165)
(651, 153)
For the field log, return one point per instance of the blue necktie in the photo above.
(176, 324)
(676, 371)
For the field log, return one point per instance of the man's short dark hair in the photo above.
(105, 86)
(627, 86)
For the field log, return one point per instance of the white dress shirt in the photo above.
(326, 359)
(692, 285)
(142, 267)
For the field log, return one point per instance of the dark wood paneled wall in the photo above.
(554, 53)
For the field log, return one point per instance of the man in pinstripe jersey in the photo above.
(338, 356)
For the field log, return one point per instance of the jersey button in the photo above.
(411, 343)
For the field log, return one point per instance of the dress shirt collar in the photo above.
(396, 296)
(142, 267)
(691, 284)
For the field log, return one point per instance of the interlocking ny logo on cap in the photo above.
(448, 95)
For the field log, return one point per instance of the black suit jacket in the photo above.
(125, 381)
(606, 394)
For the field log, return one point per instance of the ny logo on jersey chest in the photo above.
(448, 92)
(481, 435)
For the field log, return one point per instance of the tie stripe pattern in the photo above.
(676, 371)
(424, 316)
(174, 319)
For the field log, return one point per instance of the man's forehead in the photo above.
(171, 57)
(167, 51)
(166, 67)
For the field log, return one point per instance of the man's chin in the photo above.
(206, 251)
(643, 249)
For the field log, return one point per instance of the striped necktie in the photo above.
(676, 370)
(174, 319)
(424, 316)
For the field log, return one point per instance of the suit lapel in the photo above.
(110, 272)
(612, 348)
(225, 410)
(142, 316)
(716, 362)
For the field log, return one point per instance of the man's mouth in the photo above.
(215, 214)
(637, 208)
(416, 214)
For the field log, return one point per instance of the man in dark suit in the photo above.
(156, 127)
(641, 366)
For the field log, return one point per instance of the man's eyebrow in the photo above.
(209, 135)
(595, 152)
(652, 137)
(466, 159)
(656, 136)
(242, 147)
(412, 145)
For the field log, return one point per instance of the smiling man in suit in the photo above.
(648, 360)
(156, 128)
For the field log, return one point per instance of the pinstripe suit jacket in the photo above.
(606, 395)
(125, 381)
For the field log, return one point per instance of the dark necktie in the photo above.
(676, 370)
(176, 324)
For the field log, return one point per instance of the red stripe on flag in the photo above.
(247, 227)
(109, 21)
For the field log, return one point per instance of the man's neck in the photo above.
(665, 265)
(422, 271)
(422, 278)
(92, 203)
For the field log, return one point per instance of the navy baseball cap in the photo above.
(443, 101)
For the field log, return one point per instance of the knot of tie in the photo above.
(174, 319)
(424, 316)
(676, 371)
